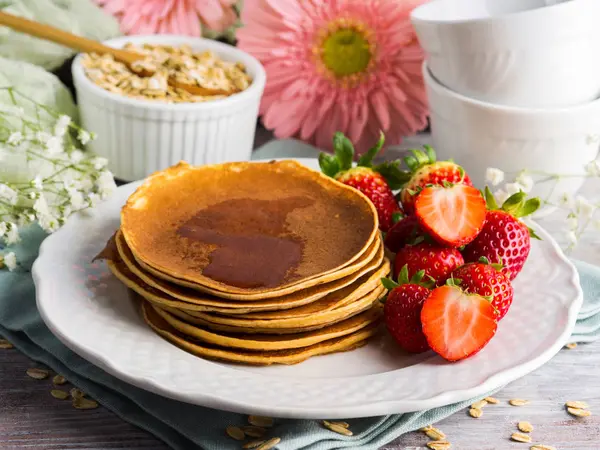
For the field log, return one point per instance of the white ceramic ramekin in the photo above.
(479, 135)
(530, 53)
(140, 137)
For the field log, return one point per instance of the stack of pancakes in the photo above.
(256, 263)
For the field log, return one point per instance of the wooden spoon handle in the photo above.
(61, 37)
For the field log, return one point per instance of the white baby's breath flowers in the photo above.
(580, 211)
(45, 177)
(494, 176)
(10, 261)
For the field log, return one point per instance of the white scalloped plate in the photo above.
(89, 311)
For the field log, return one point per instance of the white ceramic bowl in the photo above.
(530, 53)
(140, 137)
(479, 135)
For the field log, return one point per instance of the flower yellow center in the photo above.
(345, 51)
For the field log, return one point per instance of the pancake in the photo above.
(376, 250)
(280, 326)
(247, 228)
(188, 295)
(326, 301)
(271, 342)
(259, 358)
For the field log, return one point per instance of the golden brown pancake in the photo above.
(237, 324)
(194, 297)
(270, 341)
(260, 358)
(372, 256)
(316, 302)
(247, 228)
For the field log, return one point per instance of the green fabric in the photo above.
(80, 17)
(187, 427)
(37, 84)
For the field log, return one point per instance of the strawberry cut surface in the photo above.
(457, 325)
(453, 215)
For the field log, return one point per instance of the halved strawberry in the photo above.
(426, 170)
(453, 214)
(457, 325)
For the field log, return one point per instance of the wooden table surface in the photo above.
(31, 418)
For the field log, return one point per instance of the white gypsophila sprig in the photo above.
(45, 176)
(580, 213)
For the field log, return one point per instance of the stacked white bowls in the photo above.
(514, 84)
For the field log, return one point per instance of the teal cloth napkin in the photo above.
(188, 427)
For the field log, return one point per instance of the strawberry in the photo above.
(505, 239)
(402, 310)
(402, 233)
(426, 170)
(437, 262)
(452, 214)
(368, 179)
(456, 324)
(486, 280)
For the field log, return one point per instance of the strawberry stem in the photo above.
(366, 160)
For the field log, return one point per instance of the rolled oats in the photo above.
(159, 76)
(520, 437)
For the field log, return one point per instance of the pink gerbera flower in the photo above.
(338, 65)
(171, 16)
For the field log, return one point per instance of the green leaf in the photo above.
(344, 150)
(533, 234)
(490, 200)
(530, 206)
(366, 160)
(395, 177)
(389, 284)
(329, 164)
(417, 277)
(397, 217)
(421, 157)
(430, 153)
(453, 281)
(514, 203)
(484, 260)
(412, 163)
(403, 275)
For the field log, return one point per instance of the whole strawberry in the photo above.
(426, 170)
(405, 231)
(504, 238)
(402, 310)
(486, 280)
(364, 176)
(435, 261)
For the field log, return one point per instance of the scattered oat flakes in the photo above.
(254, 431)
(260, 421)
(59, 380)
(525, 427)
(59, 394)
(5, 345)
(38, 374)
(520, 437)
(424, 429)
(475, 412)
(571, 345)
(480, 404)
(341, 424)
(518, 402)
(491, 400)
(577, 404)
(435, 434)
(253, 444)
(84, 403)
(76, 393)
(577, 412)
(439, 445)
(337, 428)
(235, 433)
(269, 444)
(541, 447)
